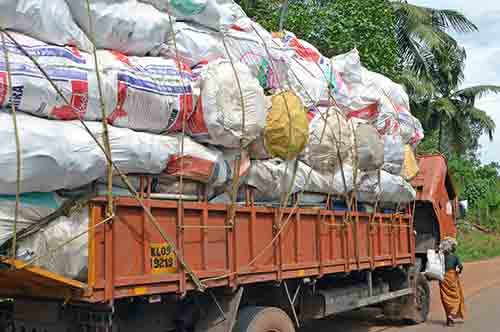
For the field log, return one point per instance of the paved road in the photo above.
(481, 282)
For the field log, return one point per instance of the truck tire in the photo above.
(422, 300)
(413, 309)
(263, 319)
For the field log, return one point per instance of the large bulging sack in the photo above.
(226, 115)
(141, 93)
(47, 20)
(375, 98)
(369, 147)
(331, 141)
(57, 155)
(310, 74)
(393, 154)
(274, 178)
(150, 93)
(33, 207)
(127, 26)
(386, 189)
(215, 14)
(287, 129)
(72, 258)
(31, 91)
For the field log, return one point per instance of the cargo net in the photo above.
(209, 107)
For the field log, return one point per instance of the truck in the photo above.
(175, 265)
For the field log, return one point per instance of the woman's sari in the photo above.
(452, 295)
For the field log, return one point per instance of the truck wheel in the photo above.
(422, 298)
(413, 309)
(416, 310)
(263, 319)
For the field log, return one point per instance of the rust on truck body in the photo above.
(313, 243)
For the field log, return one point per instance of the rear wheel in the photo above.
(263, 319)
(413, 309)
(422, 300)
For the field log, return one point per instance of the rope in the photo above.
(52, 251)
(105, 132)
(18, 152)
(237, 166)
(123, 177)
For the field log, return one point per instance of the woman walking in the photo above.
(452, 295)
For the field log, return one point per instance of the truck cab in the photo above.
(436, 206)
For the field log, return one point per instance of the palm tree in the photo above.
(421, 30)
(449, 108)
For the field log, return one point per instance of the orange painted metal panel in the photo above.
(433, 184)
(258, 247)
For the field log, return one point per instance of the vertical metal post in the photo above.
(370, 283)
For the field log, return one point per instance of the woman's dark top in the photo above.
(451, 262)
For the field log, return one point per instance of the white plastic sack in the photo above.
(141, 93)
(47, 20)
(71, 259)
(283, 63)
(275, 178)
(391, 189)
(56, 155)
(311, 75)
(215, 14)
(374, 97)
(218, 118)
(33, 207)
(31, 92)
(127, 26)
(369, 147)
(150, 94)
(331, 141)
(393, 154)
(435, 268)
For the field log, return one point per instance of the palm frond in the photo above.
(445, 107)
(452, 20)
(481, 119)
(471, 94)
(417, 86)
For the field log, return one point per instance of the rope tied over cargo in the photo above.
(105, 132)
(18, 151)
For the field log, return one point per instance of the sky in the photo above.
(483, 57)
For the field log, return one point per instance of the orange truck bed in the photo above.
(128, 257)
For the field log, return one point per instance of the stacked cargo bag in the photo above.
(31, 92)
(56, 247)
(33, 207)
(151, 94)
(127, 26)
(231, 109)
(36, 18)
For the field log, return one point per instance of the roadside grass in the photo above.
(475, 245)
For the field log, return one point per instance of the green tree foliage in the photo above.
(451, 110)
(421, 31)
(480, 186)
(336, 27)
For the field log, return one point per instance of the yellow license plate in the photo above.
(163, 258)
